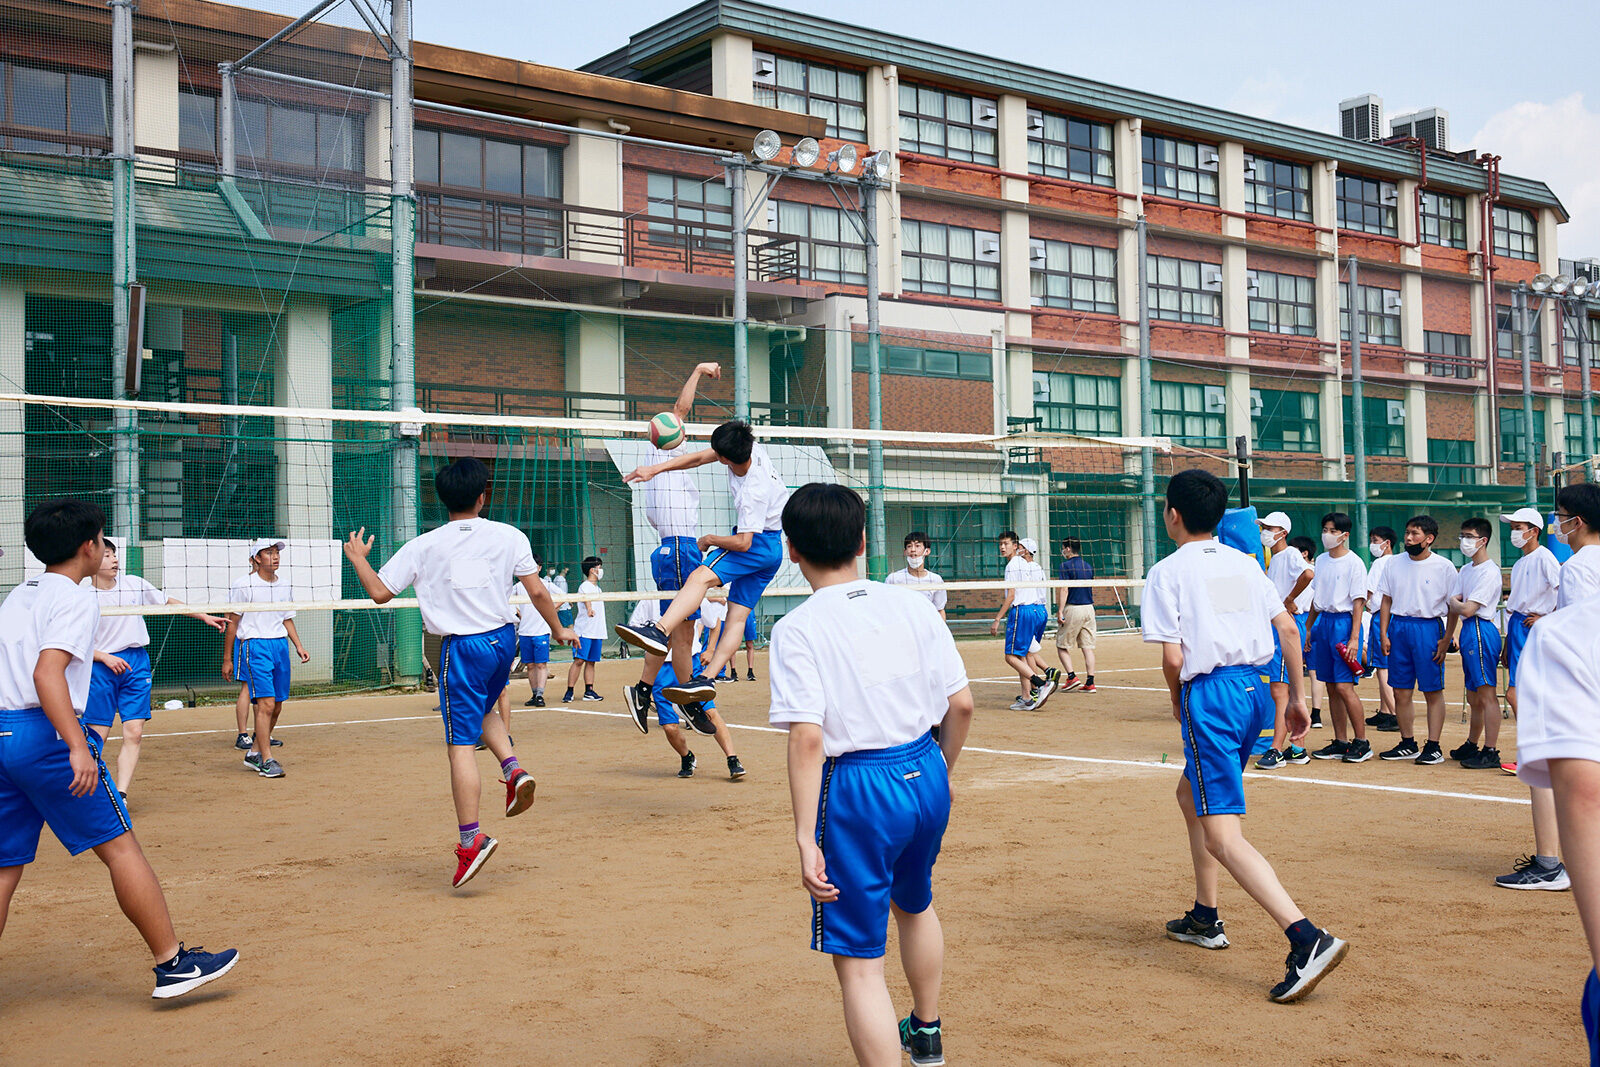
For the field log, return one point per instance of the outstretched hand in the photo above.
(639, 474)
(358, 545)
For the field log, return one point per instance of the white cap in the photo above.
(1280, 520)
(261, 543)
(1527, 515)
(1030, 546)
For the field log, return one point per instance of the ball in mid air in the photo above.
(666, 431)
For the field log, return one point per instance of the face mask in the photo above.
(1520, 538)
(1469, 546)
(599, 573)
(1562, 534)
(913, 562)
(1268, 538)
(1415, 550)
(1376, 548)
(1330, 541)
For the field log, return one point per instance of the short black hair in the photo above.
(461, 484)
(1478, 527)
(1199, 498)
(1582, 500)
(917, 537)
(1009, 535)
(825, 523)
(1303, 545)
(56, 529)
(1385, 533)
(1340, 520)
(1071, 544)
(734, 441)
(1425, 523)
(590, 563)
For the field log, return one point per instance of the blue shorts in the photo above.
(1332, 628)
(751, 633)
(126, 694)
(1412, 643)
(1372, 651)
(880, 821)
(1024, 625)
(588, 649)
(35, 789)
(666, 710)
(265, 667)
(1591, 1016)
(1517, 631)
(474, 670)
(534, 649)
(1225, 713)
(1480, 652)
(747, 573)
(671, 565)
(1276, 670)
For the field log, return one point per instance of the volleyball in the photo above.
(666, 431)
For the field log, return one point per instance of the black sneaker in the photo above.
(1334, 749)
(637, 698)
(567, 698)
(1316, 718)
(925, 1043)
(1191, 931)
(695, 712)
(275, 743)
(537, 700)
(190, 969)
(1296, 755)
(1271, 760)
(750, 675)
(1375, 718)
(1307, 965)
(1527, 874)
(1465, 751)
(733, 675)
(1388, 724)
(252, 762)
(648, 637)
(242, 742)
(698, 689)
(1359, 751)
(687, 770)
(736, 769)
(250, 739)
(590, 694)
(1486, 759)
(1431, 754)
(1406, 749)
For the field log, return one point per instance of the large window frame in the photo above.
(1078, 403)
(944, 260)
(488, 192)
(1277, 187)
(1178, 292)
(689, 211)
(1514, 435)
(939, 122)
(1383, 435)
(1077, 277)
(1571, 327)
(1181, 412)
(1516, 233)
(1573, 425)
(78, 122)
(1463, 454)
(1060, 146)
(805, 87)
(1459, 345)
(829, 248)
(1379, 325)
(1179, 169)
(1506, 339)
(1288, 421)
(968, 365)
(1283, 303)
(1368, 205)
(1444, 219)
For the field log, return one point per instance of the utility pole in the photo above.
(733, 173)
(124, 269)
(408, 658)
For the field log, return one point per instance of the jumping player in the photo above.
(1473, 605)
(1025, 616)
(1211, 609)
(262, 640)
(1338, 599)
(1416, 590)
(869, 784)
(701, 716)
(461, 572)
(916, 573)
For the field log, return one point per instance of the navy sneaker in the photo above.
(736, 769)
(1528, 874)
(1271, 760)
(242, 742)
(925, 1043)
(698, 689)
(1191, 931)
(190, 969)
(252, 762)
(637, 699)
(695, 712)
(1296, 755)
(1307, 965)
(648, 637)
(688, 765)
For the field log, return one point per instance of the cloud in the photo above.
(1557, 143)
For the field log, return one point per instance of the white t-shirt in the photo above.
(1216, 603)
(1557, 679)
(117, 632)
(872, 664)
(1021, 570)
(1374, 572)
(937, 597)
(1419, 589)
(462, 573)
(1338, 582)
(1580, 577)
(645, 613)
(1479, 583)
(712, 612)
(529, 622)
(253, 589)
(50, 611)
(1535, 579)
(1285, 569)
(590, 623)
(672, 499)
(758, 495)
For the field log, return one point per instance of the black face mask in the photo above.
(1415, 550)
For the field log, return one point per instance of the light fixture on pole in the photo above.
(878, 165)
(805, 152)
(843, 159)
(766, 145)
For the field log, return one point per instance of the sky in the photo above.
(1513, 86)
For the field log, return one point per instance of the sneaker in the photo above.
(1191, 931)
(1387, 723)
(271, 769)
(1296, 755)
(534, 701)
(470, 860)
(925, 1043)
(1072, 683)
(1509, 767)
(1270, 761)
(1088, 687)
(1041, 694)
(1307, 965)
(698, 689)
(1465, 751)
(480, 746)
(637, 698)
(689, 764)
(190, 969)
(1022, 704)
(252, 762)
(1527, 874)
(695, 712)
(242, 742)
(519, 792)
(1375, 718)
(648, 637)
(1486, 760)
(736, 769)
(124, 797)
(1316, 718)
(750, 675)
(590, 694)
(1431, 754)
(250, 739)
(1360, 751)
(1406, 749)
(1334, 749)
(1053, 674)
(567, 697)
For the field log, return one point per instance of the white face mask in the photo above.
(1330, 541)
(1520, 538)
(1469, 546)
(914, 562)
(1376, 548)
(1562, 533)
(599, 573)
(1268, 538)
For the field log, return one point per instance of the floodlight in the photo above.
(1580, 287)
(878, 164)
(843, 159)
(1562, 283)
(805, 152)
(765, 146)
(1541, 283)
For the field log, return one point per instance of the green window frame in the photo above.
(1574, 432)
(1514, 434)
(1180, 412)
(975, 366)
(963, 539)
(1078, 403)
(1384, 436)
(1461, 453)
(1287, 421)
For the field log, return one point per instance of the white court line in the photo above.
(1130, 688)
(1052, 756)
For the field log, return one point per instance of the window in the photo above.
(1286, 422)
(807, 88)
(479, 192)
(1190, 414)
(1078, 403)
(1368, 205)
(1383, 425)
(1182, 170)
(926, 362)
(1574, 429)
(1379, 310)
(690, 212)
(1506, 340)
(1516, 234)
(1284, 303)
(953, 125)
(197, 123)
(1067, 275)
(1452, 462)
(1444, 219)
(831, 250)
(273, 137)
(1179, 290)
(1274, 187)
(950, 260)
(66, 112)
(963, 540)
(1575, 329)
(1514, 446)
(1076, 149)
(1456, 345)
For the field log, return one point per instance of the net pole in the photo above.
(1358, 416)
(124, 268)
(1147, 473)
(733, 173)
(403, 367)
(225, 136)
(877, 533)
(1519, 297)
(1586, 402)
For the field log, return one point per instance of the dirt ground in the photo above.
(634, 918)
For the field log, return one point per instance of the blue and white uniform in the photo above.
(48, 612)
(261, 640)
(1479, 639)
(672, 504)
(590, 625)
(712, 612)
(758, 499)
(885, 797)
(1284, 570)
(1419, 601)
(125, 636)
(649, 611)
(1372, 647)
(1336, 585)
(1026, 620)
(533, 633)
(462, 572)
(1217, 605)
(1580, 576)
(1535, 586)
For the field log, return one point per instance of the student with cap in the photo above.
(263, 639)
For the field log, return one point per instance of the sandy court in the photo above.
(633, 918)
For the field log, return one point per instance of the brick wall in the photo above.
(1446, 306)
(492, 347)
(914, 403)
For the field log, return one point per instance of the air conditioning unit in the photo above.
(1431, 125)
(1211, 277)
(1389, 194)
(1035, 122)
(989, 247)
(1252, 281)
(772, 215)
(1035, 250)
(1209, 159)
(765, 68)
(1255, 403)
(984, 113)
(1249, 166)
(1041, 391)
(1361, 118)
(1397, 413)
(1216, 400)
(1392, 301)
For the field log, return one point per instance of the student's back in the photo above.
(50, 611)
(1216, 602)
(462, 572)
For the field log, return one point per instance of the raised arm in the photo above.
(356, 550)
(685, 402)
(687, 461)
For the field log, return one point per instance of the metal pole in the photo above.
(244, 61)
(226, 146)
(1147, 472)
(733, 175)
(403, 356)
(877, 531)
(1519, 301)
(1241, 452)
(124, 268)
(1587, 394)
(1358, 411)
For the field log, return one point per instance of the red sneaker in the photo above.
(1088, 687)
(1349, 658)
(519, 792)
(469, 860)
(1509, 767)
